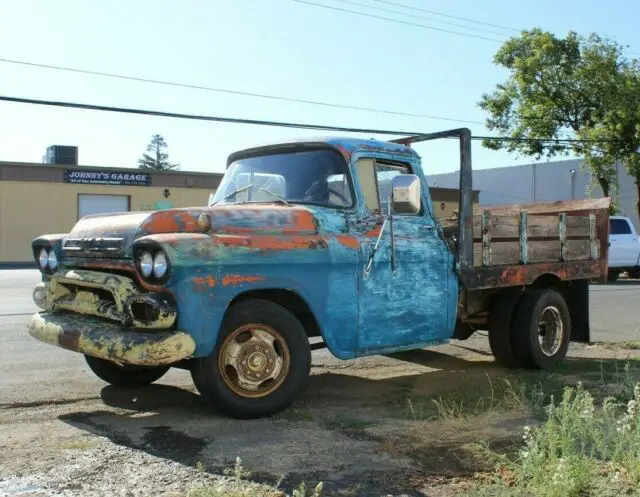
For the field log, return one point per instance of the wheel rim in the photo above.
(550, 331)
(254, 360)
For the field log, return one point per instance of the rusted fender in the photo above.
(101, 339)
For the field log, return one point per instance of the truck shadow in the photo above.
(305, 443)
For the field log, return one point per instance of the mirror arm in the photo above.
(388, 218)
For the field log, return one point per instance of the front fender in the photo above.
(209, 271)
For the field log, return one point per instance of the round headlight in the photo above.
(160, 265)
(53, 260)
(146, 264)
(43, 258)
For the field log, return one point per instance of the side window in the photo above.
(367, 176)
(375, 180)
(619, 227)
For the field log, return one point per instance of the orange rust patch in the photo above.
(374, 232)
(170, 222)
(514, 275)
(303, 221)
(202, 281)
(271, 242)
(348, 241)
(236, 279)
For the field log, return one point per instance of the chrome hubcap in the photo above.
(254, 360)
(550, 331)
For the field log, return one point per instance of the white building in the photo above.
(543, 181)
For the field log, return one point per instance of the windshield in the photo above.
(310, 177)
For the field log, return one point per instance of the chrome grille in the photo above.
(93, 247)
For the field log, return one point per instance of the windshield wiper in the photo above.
(240, 190)
(281, 199)
(235, 192)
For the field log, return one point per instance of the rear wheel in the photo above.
(500, 329)
(541, 329)
(125, 375)
(260, 363)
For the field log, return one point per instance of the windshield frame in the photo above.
(295, 148)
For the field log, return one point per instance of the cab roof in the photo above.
(346, 146)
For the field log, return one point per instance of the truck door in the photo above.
(625, 247)
(415, 304)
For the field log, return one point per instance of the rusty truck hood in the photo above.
(112, 235)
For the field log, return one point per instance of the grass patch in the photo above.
(237, 485)
(524, 390)
(477, 397)
(83, 443)
(584, 446)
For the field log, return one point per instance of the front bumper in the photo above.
(98, 338)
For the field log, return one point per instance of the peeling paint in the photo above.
(238, 279)
(109, 341)
(315, 253)
(202, 281)
(348, 241)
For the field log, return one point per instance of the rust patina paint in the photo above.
(171, 221)
(237, 279)
(348, 241)
(202, 281)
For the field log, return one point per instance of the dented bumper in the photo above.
(110, 296)
(98, 338)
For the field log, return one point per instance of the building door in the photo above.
(101, 204)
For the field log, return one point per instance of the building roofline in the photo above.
(111, 168)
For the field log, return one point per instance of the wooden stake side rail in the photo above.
(525, 238)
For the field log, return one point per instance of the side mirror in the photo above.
(405, 196)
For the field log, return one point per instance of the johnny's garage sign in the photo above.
(106, 178)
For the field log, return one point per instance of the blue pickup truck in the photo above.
(333, 238)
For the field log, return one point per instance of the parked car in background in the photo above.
(624, 248)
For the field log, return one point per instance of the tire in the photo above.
(500, 329)
(536, 304)
(218, 375)
(613, 276)
(126, 375)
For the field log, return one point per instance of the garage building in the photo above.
(37, 199)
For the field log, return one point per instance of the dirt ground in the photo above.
(408, 424)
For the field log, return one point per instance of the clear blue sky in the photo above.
(277, 47)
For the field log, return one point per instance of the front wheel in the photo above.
(541, 329)
(260, 363)
(126, 375)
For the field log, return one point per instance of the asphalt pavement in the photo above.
(32, 372)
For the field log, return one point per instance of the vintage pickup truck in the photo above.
(331, 239)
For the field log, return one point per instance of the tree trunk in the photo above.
(604, 185)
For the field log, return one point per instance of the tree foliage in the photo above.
(157, 159)
(566, 89)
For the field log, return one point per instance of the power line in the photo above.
(392, 11)
(234, 92)
(398, 21)
(460, 18)
(260, 122)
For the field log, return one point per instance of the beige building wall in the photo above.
(31, 209)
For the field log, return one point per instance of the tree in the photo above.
(572, 88)
(158, 160)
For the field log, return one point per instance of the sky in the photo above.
(276, 47)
